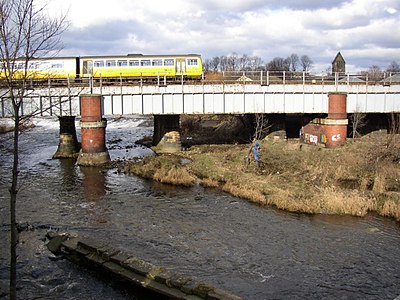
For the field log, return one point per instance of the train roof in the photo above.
(142, 56)
(114, 56)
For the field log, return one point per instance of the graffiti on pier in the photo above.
(336, 137)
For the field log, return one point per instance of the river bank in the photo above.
(360, 177)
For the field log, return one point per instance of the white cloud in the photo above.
(364, 30)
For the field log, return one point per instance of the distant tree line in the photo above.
(236, 62)
(294, 63)
(377, 73)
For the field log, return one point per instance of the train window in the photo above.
(145, 62)
(122, 63)
(98, 63)
(20, 66)
(44, 66)
(192, 62)
(168, 62)
(57, 66)
(157, 62)
(133, 63)
(33, 65)
(110, 63)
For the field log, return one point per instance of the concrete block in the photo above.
(138, 266)
(54, 245)
(92, 244)
(189, 286)
(119, 258)
(177, 281)
(202, 290)
(70, 244)
(218, 294)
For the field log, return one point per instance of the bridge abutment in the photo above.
(167, 133)
(93, 130)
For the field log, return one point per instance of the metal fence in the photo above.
(228, 77)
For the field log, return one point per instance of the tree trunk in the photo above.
(13, 219)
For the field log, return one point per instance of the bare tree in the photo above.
(358, 121)
(374, 73)
(294, 62)
(279, 64)
(394, 67)
(26, 32)
(262, 127)
(306, 63)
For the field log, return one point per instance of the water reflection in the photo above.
(94, 183)
(69, 173)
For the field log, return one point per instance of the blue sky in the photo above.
(366, 32)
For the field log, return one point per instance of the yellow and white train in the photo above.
(128, 66)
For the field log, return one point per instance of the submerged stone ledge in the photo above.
(101, 255)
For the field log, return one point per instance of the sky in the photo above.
(366, 32)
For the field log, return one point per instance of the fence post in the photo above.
(336, 80)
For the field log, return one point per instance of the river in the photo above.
(254, 252)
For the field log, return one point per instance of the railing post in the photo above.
(120, 84)
(261, 77)
(268, 78)
(304, 78)
(284, 77)
(336, 80)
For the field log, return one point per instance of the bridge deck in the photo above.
(212, 99)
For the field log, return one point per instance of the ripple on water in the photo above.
(258, 253)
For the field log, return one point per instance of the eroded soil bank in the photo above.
(359, 177)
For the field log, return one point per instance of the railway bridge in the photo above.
(286, 101)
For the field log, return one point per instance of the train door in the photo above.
(87, 68)
(180, 66)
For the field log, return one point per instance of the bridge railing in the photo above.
(227, 77)
(304, 78)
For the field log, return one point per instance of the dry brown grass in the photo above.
(209, 182)
(245, 192)
(175, 176)
(354, 179)
(391, 208)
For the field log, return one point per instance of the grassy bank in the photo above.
(354, 179)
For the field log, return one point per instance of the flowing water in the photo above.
(254, 252)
